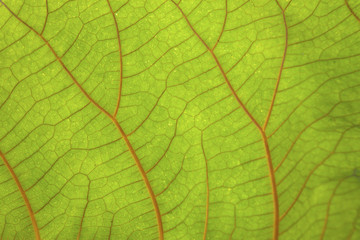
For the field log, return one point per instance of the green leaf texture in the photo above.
(180, 119)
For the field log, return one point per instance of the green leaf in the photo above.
(148, 119)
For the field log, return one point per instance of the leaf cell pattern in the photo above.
(179, 119)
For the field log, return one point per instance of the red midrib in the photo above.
(253, 120)
(117, 125)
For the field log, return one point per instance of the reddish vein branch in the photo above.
(351, 10)
(223, 26)
(86, 205)
(328, 209)
(262, 132)
(23, 194)
(121, 63)
(312, 172)
(280, 71)
(207, 188)
(114, 120)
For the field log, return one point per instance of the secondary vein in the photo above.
(23, 194)
(113, 119)
(253, 120)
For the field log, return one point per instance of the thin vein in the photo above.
(86, 205)
(280, 71)
(113, 119)
(354, 227)
(223, 26)
(351, 10)
(23, 194)
(121, 62)
(328, 209)
(46, 17)
(311, 174)
(263, 135)
(111, 226)
(207, 189)
(234, 228)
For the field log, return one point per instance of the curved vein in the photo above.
(223, 26)
(113, 119)
(121, 62)
(207, 189)
(351, 10)
(311, 174)
(328, 209)
(23, 194)
(253, 120)
(280, 71)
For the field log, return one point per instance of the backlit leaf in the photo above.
(180, 119)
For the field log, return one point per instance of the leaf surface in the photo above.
(179, 119)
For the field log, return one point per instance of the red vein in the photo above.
(46, 18)
(280, 71)
(116, 123)
(349, 237)
(121, 63)
(207, 189)
(143, 174)
(287, 5)
(86, 205)
(223, 26)
(263, 135)
(234, 228)
(351, 10)
(23, 194)
(299, 135)
(328, 209)
(310, 175)
(111, 226)
(273, 188)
